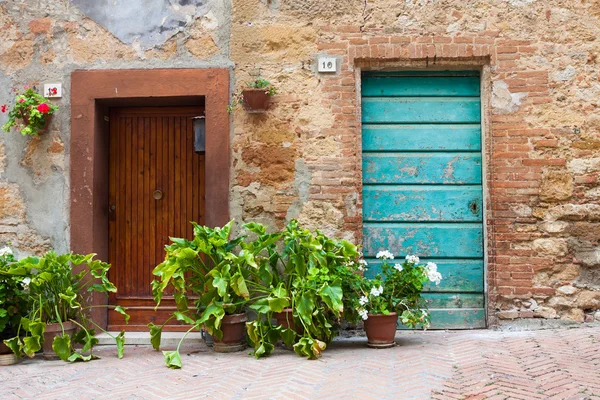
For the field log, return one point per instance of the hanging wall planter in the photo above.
(31, 113)
(255, 96)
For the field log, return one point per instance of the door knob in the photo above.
(157, 195)
(112, 207)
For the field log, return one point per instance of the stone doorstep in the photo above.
(168, 339)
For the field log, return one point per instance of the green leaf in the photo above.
(332, 296)
(305, 306)
(278, 304)
(89, 341)
(261, 306)
(15, 345)
(120, 339)
(256, 228)
(172, 359)
(184, 318)
(31, 345)
(62, 346)
(155, 335)
(76, 356)
(121, 311)
(288, 336)
(238, 284)
(300, 265)
(220, 283)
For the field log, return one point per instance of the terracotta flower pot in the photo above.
(234, 334)
(381, 330)
(4, 349)
(255, 100)
(51, 331)
(286, 319)
(47, 120)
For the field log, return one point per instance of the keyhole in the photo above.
(474, 207)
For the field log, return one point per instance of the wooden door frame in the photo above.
(92, 92)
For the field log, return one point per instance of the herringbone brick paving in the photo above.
(470, 365)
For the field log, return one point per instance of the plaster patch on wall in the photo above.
(503, 101)
(150, 23)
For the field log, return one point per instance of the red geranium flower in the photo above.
(3, 108)
(43, 108)
(21, 100)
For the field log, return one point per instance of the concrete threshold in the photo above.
(168, 339)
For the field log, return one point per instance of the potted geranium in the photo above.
(56, 318)
(393, 293)
(13, 304)
(30, 114)
(255, 96)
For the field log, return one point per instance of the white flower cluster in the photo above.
(432, 273)
(412, 259)
(398, 267)
(377, 291)
(364, 314)
(362, 264)
(385, 255)
(363, 300)
(6, 251)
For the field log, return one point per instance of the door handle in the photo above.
(112, 207)
(157, 195)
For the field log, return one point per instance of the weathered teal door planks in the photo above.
(422, 178)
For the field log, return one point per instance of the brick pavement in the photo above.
(550, 364)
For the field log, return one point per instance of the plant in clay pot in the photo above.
(255, 96)
(307, 278)
(393, 293)
(30, 114)
(216, 270)
(13, 304)
(57, 315)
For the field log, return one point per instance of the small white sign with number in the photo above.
(52, 90)
(327, 64)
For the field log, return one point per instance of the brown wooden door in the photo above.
(156, 189)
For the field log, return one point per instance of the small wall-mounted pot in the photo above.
(255, 100)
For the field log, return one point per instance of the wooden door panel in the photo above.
(422, 183)
(156, 188)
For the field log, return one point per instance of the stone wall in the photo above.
(302, 159)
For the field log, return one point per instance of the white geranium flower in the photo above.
(432, 273)
(26, 281)
(398, 267)
(412, 259)
(431, 267)
(385, 255)
(364, 314)
(363, 300)
(6, 251)
(376, 291)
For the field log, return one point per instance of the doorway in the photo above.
(422, 183)
(156, 187)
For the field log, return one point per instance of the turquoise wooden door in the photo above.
(422, 193)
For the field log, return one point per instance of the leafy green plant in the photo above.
(55, 295)
(310, 279)
(30, 112)
(259, 83)
(207, 268)
(397, 288)
(13, 296)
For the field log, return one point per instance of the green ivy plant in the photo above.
(55, 295)
(29, 114)
(259, 83)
